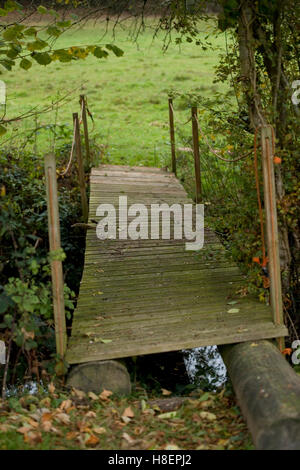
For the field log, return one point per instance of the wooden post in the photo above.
(172, 135)
(81, 176)
(85, 129)
(55, 247)
(271, 226)
(196, 154)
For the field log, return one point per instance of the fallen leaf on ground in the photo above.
(207, 415)
(66, 404)
(33, 437)
(128, 438)
(71, 435)
(126, 419)
(78, 393)
(62, 418)
(105, 395)
(99, 430)
(93, 396)
(165, 392)
(128, 412)
(171, 447)
(169, 415)
(92, 440)
(46, 417)
(24, 429)
(51, 388)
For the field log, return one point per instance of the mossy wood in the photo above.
(149, 296)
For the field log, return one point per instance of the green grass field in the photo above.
(127, 96)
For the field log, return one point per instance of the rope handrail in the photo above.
(216, 153)
(63, 173)
(212, 150)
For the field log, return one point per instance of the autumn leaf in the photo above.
(47, 426)
(78, 393)
(93, 396)
(169, 415)
(286, 351)
(128, 413)
(171, 447)
(128, 438)
(207, 415)
(165, 392)
(66, 404)
(92, 440)
(72, 435)
(51, 388)
(33, 438)
(99, 430)
(24, 429)
(46, 417)
(62, 418)
(105, 395)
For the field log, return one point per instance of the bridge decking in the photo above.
(149, 296)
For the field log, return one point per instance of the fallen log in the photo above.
(268, 392)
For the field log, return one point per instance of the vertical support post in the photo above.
(172, 135)
(267, 143)
(196, 154)
(85, 128)
(55, 247)
(81, 177)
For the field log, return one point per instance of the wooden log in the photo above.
(100, 375)
(55, 246)
(268, 392)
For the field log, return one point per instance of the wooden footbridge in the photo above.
(144, 296)
(149, 296)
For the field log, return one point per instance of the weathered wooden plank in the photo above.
(130, 169)
(80, 353)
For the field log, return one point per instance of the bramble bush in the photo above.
(26, 314)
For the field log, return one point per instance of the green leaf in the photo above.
(53, 31)
(7, 63)
(42, 58)
(13, 33)
(100, 53)
(5, 302)
(37, 45)
(42, 10)
(169, 415)
(14, 50)
(105, 341)
(204, 397)
(234, 310)
(62, 55)
(25, 64)
(116, 50)
(30, 31)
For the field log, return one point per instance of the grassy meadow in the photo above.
(127, 96)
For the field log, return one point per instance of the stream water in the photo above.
(205, 367)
